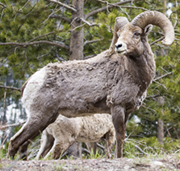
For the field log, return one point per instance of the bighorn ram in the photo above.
(58, 136)
(114, 81)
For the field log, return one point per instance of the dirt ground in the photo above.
(168, 162)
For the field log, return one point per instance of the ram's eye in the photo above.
(137, 34)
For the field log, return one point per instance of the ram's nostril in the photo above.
(118, 46)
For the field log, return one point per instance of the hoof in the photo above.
(11, 151)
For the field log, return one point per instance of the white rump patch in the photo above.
(34, 84)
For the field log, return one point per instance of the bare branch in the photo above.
(82, 25)
(12, 88)
(108, 7)
(4, 139)
(160, 84)
(24, 5)
(53, 12)
(4, 6)
(136, 146)
(176, 151)
(161, 38)
(60, 17)
(100, 146)
(153, 96)
(4, 103)
(158, 78)
(176, 16)
(152, 110)
(40, 36)
(90, 56)
(86, 151)
(106, 2)
(91, 41)
(134, 7)
(12, 125)
(61, 45)
(177, 39)
(64, 5)
(59, 58)
(89, 24)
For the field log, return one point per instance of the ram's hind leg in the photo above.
(32, 128)
(23, 150)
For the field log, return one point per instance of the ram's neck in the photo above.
(149, 63)
(142, 68)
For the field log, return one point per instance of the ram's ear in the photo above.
(148, 29)
(119, 23)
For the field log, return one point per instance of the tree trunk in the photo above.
(160, 133)
(164, 10)
(160, 128)
(77, 35)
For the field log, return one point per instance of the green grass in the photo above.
(3, 153)
(59, 167)
(150, 147)
(98, 155)
(133, 148)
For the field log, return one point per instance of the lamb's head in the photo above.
(131, 36)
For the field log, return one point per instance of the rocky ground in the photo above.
(168, 162)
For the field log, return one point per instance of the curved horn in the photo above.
(158, 19)
(119, 22)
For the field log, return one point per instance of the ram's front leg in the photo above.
(119, 121)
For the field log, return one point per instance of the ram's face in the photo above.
(129, 41)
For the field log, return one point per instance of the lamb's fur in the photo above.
(65, 131)
(111, 82)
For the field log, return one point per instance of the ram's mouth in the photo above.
(121, 51)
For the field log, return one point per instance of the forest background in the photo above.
(34, 33)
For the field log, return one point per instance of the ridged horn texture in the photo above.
(119, 23)
(158, 19)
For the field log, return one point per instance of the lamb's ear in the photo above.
(148, 29)
(119, 23)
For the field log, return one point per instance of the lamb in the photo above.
(62, 133)
(115, 81)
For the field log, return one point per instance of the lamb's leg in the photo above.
(107, 146)
(94, 147)
(80, 149)
(47, 141)
(91, 146)
(118, 118)
(32, 128)
(110, 139)
(58, 149)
